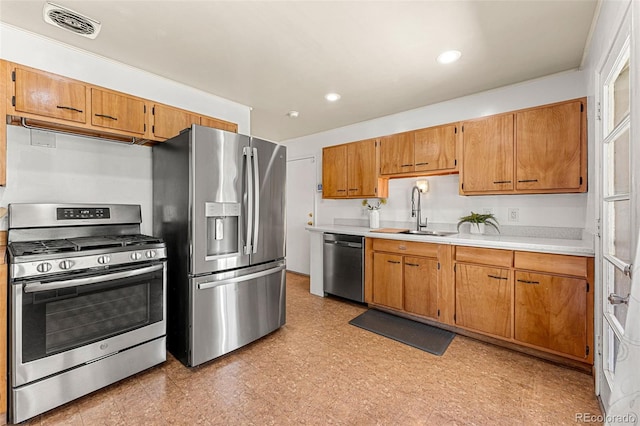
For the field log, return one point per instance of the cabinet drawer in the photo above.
(484, 256)
(406, 247)
(553, 263)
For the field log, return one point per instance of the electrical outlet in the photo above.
(514, 215)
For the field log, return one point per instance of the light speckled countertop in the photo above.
(583, 247)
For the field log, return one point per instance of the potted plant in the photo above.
(374, 215)
(479, 221)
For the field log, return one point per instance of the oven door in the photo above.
(58, 323)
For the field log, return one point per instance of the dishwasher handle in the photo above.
(344, 244)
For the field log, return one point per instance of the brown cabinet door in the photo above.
(487, 150)
(115, 111)
(421, 286)
(483, 299)
(387, 280)
(551, 312)
(334, 171)
(548, 147)
(168, 122)
(435, 148)
(218, 124)
(396, 154)
(361, 169)
(50, 96)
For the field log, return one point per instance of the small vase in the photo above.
(477, 228)
(374, 219)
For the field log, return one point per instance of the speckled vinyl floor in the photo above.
(319, 370)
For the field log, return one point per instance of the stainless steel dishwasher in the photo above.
(343, 267)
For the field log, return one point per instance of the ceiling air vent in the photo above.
(69, 20)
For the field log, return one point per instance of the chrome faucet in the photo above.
(416, 209)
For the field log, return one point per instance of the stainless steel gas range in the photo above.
(86, 304)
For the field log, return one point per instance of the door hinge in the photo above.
(586, 352)
(598, 112)
(13, 76)
(13, 100)
(598, 228)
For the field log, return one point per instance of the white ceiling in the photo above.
(277, 56)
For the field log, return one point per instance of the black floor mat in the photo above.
(422, 336)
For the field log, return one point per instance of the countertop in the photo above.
(584, 247)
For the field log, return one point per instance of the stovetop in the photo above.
(42, 247)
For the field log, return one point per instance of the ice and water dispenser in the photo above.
(222, 229)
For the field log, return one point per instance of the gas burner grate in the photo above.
(135, 239)
(41, 247)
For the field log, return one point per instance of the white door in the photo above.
(301, 189)
(618, 202)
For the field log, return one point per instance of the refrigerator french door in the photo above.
(219, 204)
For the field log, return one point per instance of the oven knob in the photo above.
(136, 256)
(43, 267)
(151, 254)
(104, 260)
(66, 264)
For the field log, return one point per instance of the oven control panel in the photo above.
(83, 213)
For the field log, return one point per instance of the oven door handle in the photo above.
(38, 286)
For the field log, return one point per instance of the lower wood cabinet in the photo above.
(551, 312)
(538, 303)
(483, 299)
(387, 280)
(421, 286)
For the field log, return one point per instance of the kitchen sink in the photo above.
(432, 233)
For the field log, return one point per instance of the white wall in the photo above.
(443, 204)
(87, 170)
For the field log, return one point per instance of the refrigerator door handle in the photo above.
(256, 208)
(211, 284)
(249, 236)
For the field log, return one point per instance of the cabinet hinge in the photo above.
(375, 190)
(587, 287)
(462, 130)
(454, 317)
(580, 180)
(438, 265)
(13, 76)
(153, 129)
(438, 312)
(153, 110)
(145, 127)
(13, 100)
(144, 109)
(455, 162)
(586, 352)
(581, 107)
(454, 268)
(463, 186)
(455, 130)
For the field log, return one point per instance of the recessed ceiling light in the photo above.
(449, 56)
(332, 97)
(293, 114)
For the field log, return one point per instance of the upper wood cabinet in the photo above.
(168, 121)
(397, 153)
(549, 147)
(52, 102)
(115, 111)
(218, 124)
(435, 148)
(487, 159)
(420, 152)
(49, 95)
(334, 171)
(349, 171)
(536, 150)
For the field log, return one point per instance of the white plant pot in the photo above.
(477, 228)
(374, 219)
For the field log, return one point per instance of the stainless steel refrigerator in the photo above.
(219, 203)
